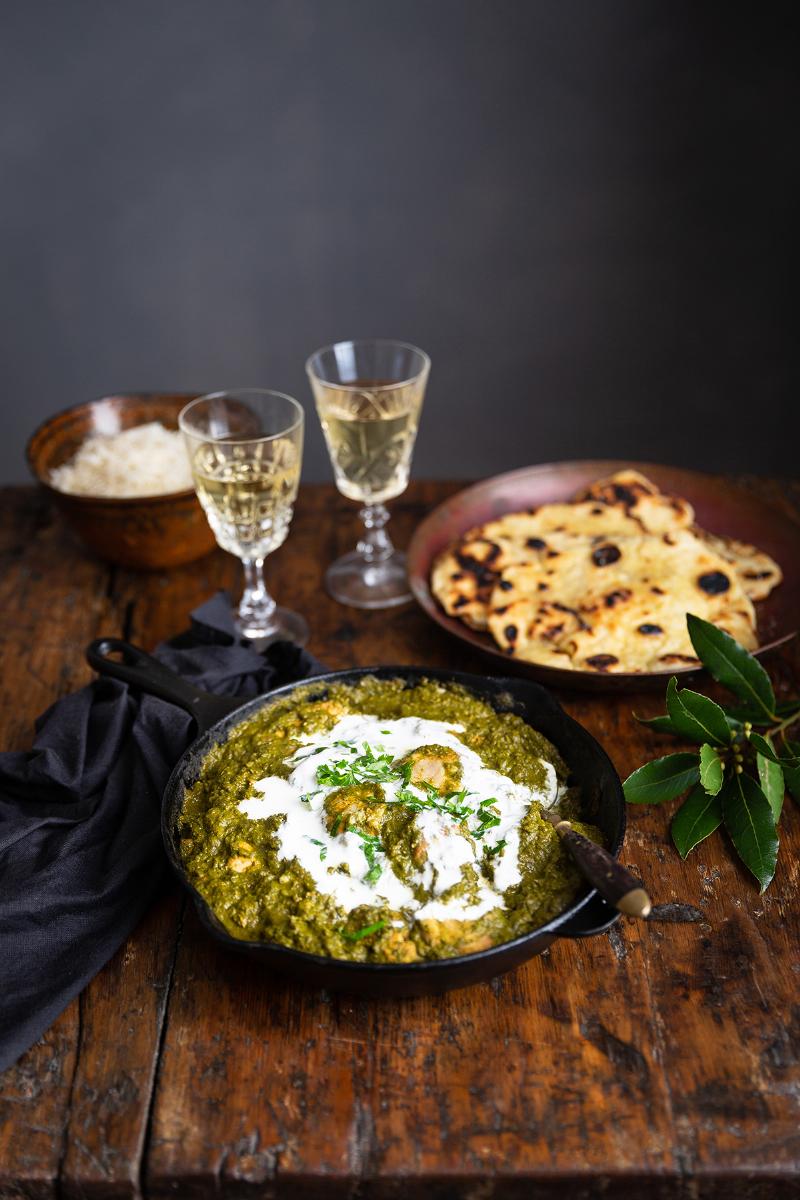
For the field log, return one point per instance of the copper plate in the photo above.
(719, 506)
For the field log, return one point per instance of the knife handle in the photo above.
(614, 882)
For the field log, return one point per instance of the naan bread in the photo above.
(618, 604)
(535, 579)
(757, 572)
(639, 498)
(463, 578)
(585, 519)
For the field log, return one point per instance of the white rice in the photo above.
(147, 460)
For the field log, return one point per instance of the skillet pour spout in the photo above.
(591, 771)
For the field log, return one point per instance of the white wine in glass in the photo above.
(246, 451)
(369, 398)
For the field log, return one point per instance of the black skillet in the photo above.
(591, 770)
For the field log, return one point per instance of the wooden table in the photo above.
(659, 1060)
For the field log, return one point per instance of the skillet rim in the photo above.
(198, 749)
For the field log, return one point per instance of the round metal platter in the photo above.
(720, 507)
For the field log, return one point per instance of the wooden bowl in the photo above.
(149, 532)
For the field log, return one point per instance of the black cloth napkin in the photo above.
(80, 848)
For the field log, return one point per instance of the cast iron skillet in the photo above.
(217, 715)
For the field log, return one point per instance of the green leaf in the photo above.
(731, 664)
(697, 717)
(711, 769)
(765, 749)
(662, 779)
(746, 712)
(791, 777)
(770, 776)
(698, 816)
(748, 819)
(659, 724)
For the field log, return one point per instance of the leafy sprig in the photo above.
(738, 777)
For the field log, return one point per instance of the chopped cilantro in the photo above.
(487, 816)
(370, 766)
(371, 846)
(364, 768)
(362, 933)
(310, 754)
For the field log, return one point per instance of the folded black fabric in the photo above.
(80, 847)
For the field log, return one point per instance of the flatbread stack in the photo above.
(603, 583)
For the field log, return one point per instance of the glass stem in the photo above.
(375, 545)
(256, 606)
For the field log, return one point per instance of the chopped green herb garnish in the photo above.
(371, 846)
(365, 768)
(372, 767)
(362, 933)
(496, 848)
(323, 854)
(310, 754)
(488, 822)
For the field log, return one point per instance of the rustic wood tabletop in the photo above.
(657, 1060)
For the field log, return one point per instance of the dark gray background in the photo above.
(584, 212)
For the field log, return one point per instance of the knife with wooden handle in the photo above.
(614, 882)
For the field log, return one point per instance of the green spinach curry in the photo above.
(380, 822)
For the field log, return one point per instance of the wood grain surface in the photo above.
(659, 1060)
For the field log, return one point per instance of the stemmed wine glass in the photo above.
(369, 397)
(246, 450)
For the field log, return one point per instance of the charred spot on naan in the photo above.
(601, 662)
(619, 596)
(604, 555)
(714, 583)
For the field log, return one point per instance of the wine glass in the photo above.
(369, 397)
(245, 449)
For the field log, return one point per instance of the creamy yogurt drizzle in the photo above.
(304, 836)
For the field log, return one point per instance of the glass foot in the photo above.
(283, 625)
(354, 580)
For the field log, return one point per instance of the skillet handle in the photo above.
(142, 671)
